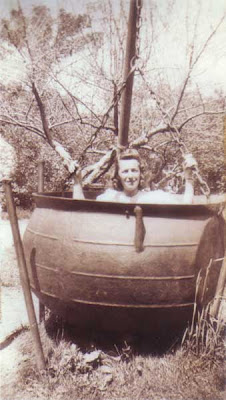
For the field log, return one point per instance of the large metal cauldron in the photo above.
(83, 264)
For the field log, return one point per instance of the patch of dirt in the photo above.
(11, 359)
(13, 314)
(8, 263)
(13, 311)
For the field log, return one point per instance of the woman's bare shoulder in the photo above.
(108, 195)
(158, 197)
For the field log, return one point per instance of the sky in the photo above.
(172, 51)
(169, 55)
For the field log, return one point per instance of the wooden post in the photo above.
(219, 290)
(23, 273)
(41, 166)
(222, 276)
(127, 93)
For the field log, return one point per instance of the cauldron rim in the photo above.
(59, 201)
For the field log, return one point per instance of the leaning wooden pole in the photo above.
(23, 274)
(128, 75)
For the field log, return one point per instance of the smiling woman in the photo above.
(129, 174)
(127, 183)
(126, 180)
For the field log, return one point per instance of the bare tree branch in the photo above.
(208, 40)
(142, 140)
(198, 115)
(95, 171)
(42, 115)
(76, 99)
(82, 120)
(61, 123)
(191, 67)
(70, 164)
(23, 125)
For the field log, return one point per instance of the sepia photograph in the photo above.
(112, 199)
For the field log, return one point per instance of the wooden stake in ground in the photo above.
(23, 273)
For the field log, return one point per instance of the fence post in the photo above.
(23, 273)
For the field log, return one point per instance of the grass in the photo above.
(120, 372)
(204, 339)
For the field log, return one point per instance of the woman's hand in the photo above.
(77, 185)
(77, 176)
(189, 165)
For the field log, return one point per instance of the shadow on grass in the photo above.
(113, 343)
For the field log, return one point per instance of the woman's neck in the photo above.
(131, 193)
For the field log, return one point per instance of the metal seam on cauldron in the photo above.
(114, 243)
(145, 278)
(42, 234)
(132, 244)
(45, 267)
(95, 303)
(134, 305)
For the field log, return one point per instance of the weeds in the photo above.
(120, 374)
(205, 339)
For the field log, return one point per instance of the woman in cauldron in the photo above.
(127, 183)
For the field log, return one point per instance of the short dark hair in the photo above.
(128, 154)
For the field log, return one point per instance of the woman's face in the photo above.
(129, 174)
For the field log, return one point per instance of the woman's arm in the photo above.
(189, 165)
(77, 186)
